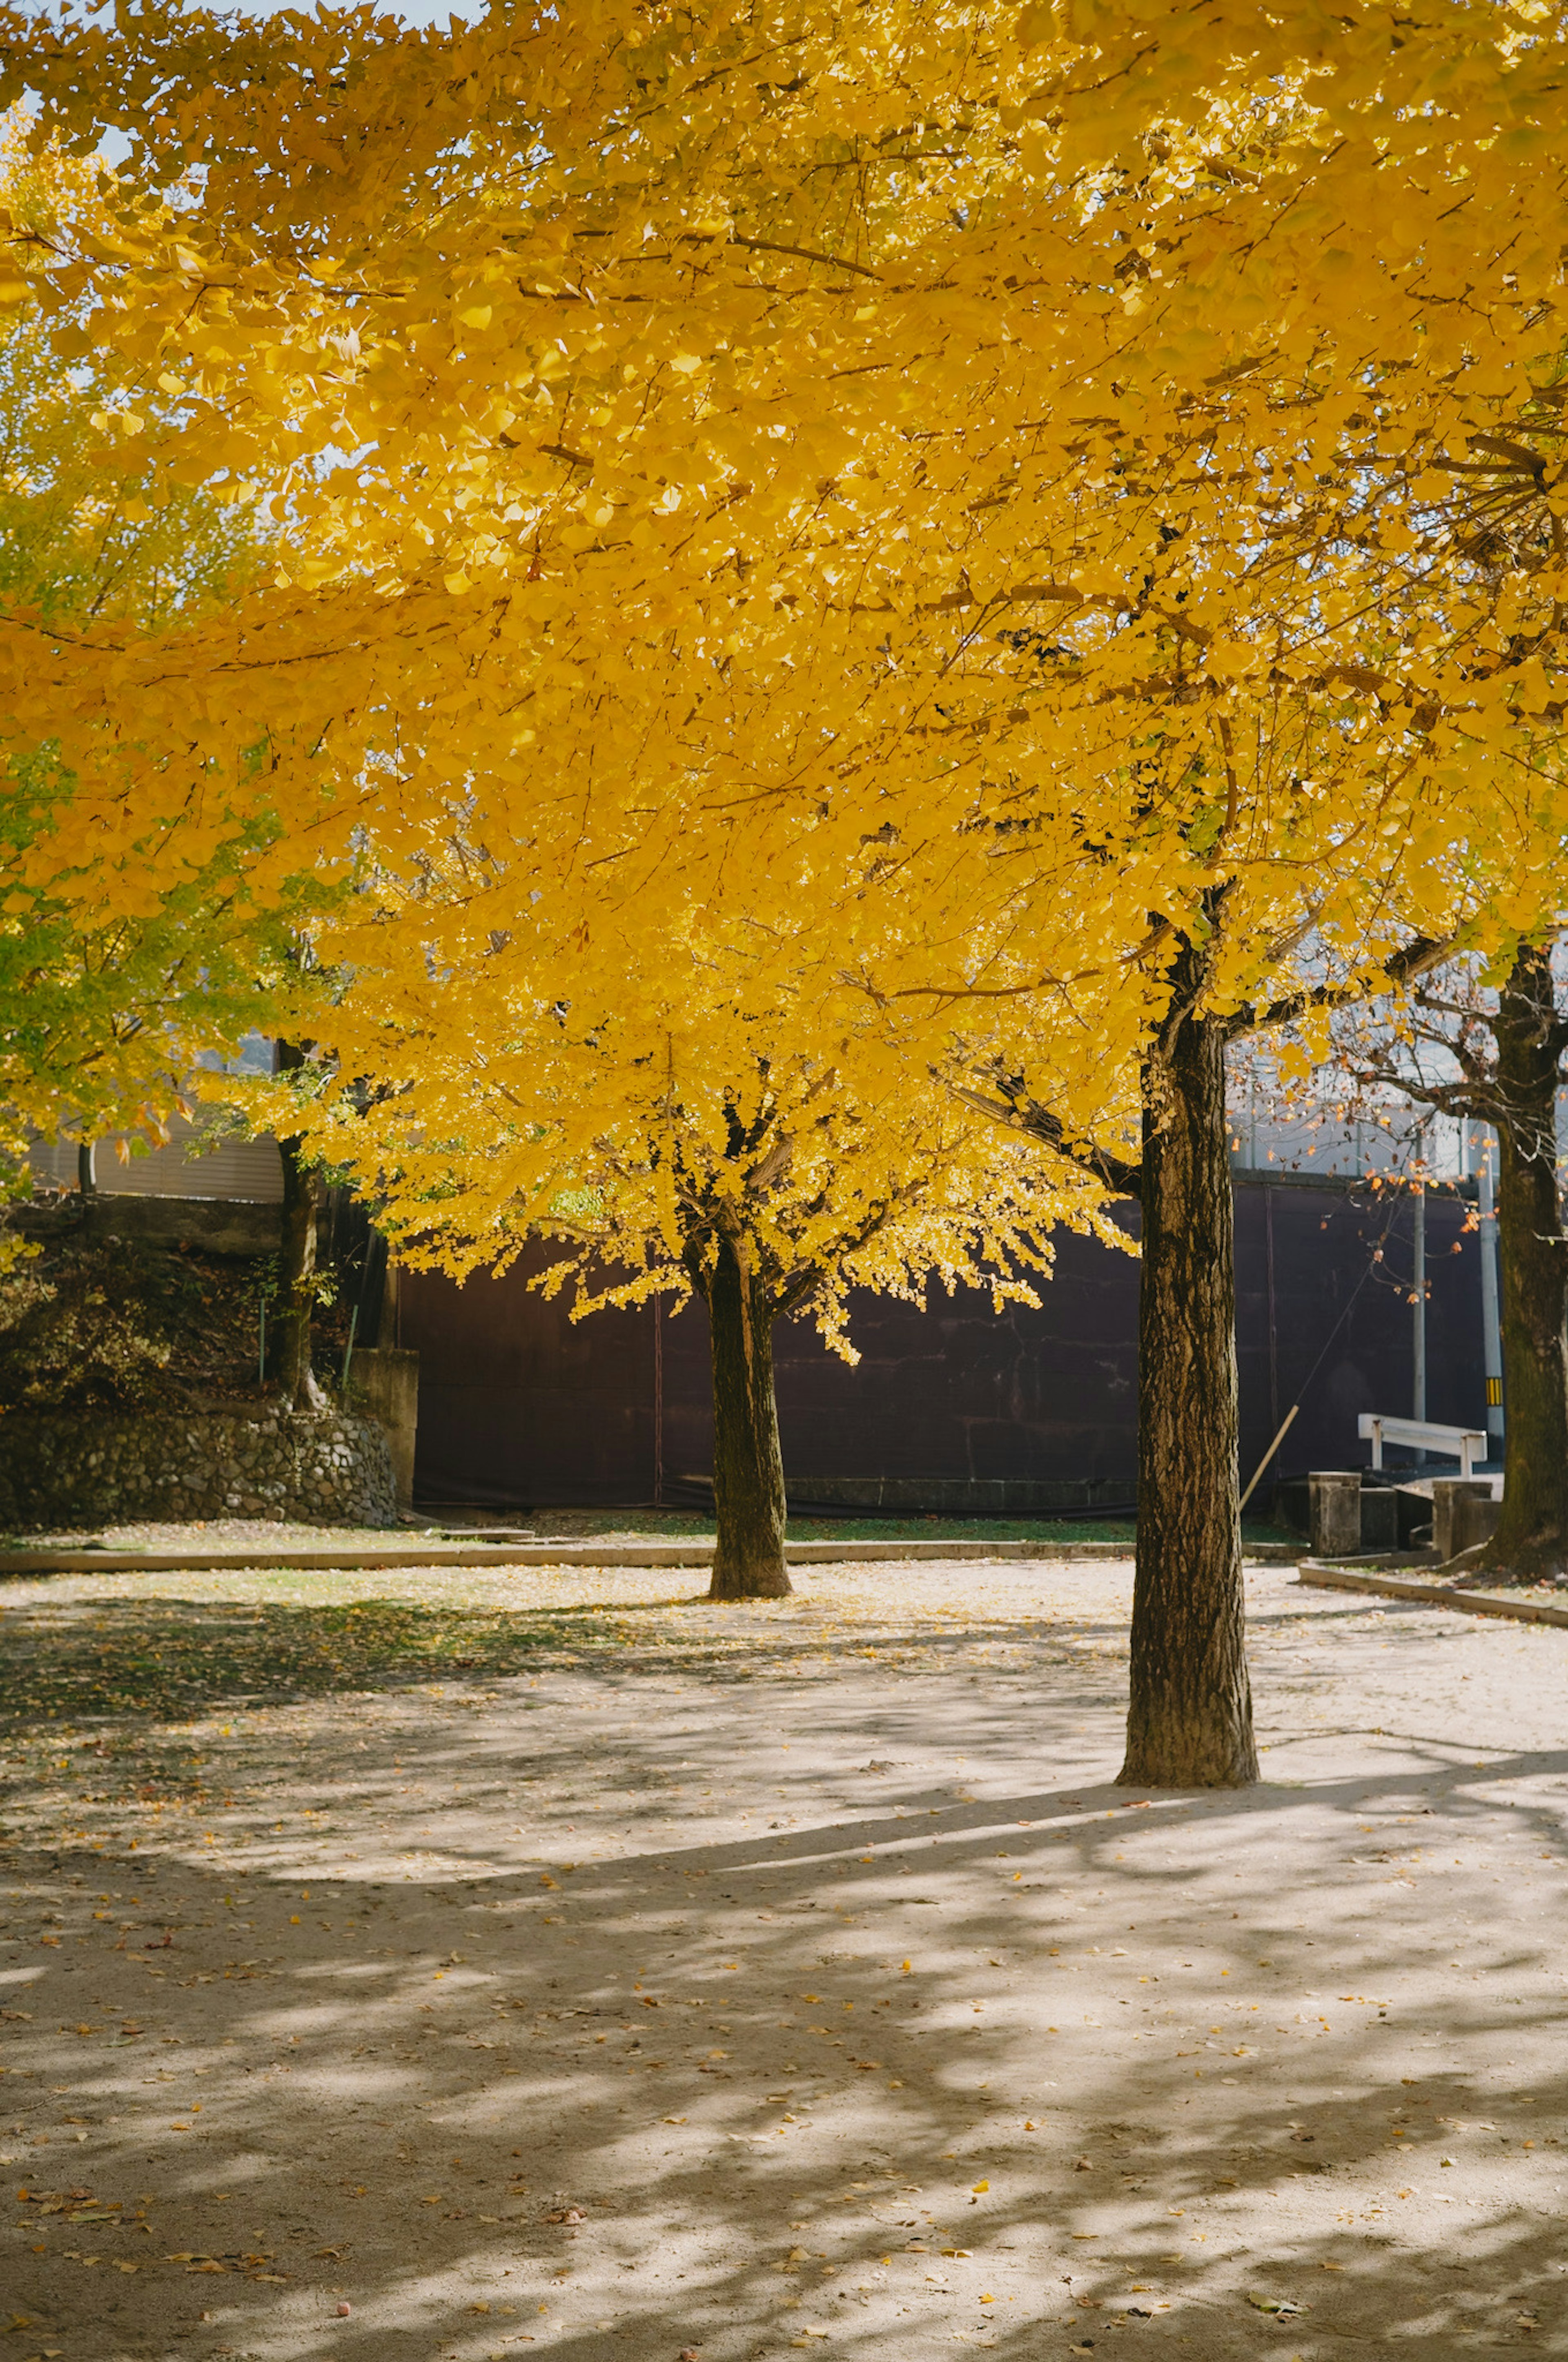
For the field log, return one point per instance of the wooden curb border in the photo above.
(1434, 1595)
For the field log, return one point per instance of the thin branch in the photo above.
(805, 254)
(1026, 1116)
(1403, 969)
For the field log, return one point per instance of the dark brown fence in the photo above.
(958, 1406)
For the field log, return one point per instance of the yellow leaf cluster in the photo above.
(799, 532)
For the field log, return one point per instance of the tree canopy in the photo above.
(963, 478)
(720, 1118)
(711, 399)
(106, 1012)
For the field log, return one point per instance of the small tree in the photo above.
(1493, 1052)
(765, 1162)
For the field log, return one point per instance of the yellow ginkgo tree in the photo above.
(107, 1003)
(711, 446)
(723, 1122)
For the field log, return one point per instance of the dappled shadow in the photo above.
(392, 2029)
(436, 1939)
(167, 1657)
(170, 1658)
(126, 1651)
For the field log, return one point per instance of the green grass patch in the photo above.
(660, 1525)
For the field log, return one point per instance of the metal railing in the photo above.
(1466, 1444)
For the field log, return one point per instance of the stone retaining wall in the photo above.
(95, 1470)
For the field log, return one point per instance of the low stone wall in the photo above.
(94, 1469)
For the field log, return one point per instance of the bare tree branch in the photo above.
(1403, 969)
(1014, 1109)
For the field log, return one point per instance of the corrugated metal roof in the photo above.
(250, 1171)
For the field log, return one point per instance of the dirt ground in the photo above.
(456, 1964)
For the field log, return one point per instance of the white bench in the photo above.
(1466, 1444)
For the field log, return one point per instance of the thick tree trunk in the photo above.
(747, 1466)
(1533, 1258)
(1189, 1716)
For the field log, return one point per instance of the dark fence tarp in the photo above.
(958, 1406)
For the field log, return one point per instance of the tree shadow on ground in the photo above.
(401, 2076)
(124, 1653)
(170, 1658)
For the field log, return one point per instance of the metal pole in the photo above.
(1273, 1324)
(1491, 1325)
(1419, 1391)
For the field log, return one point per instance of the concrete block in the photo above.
(1335, 1496)
(1379, 1518)
(1462, 1514)
(385, 1380)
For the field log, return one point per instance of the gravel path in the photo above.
(653, 1978)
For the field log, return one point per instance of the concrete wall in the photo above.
(215, 1225)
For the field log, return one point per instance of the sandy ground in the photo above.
(673, 1981)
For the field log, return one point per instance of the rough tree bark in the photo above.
(1189, 1715)
(1532, 1259)
(288, 1363)
(748, 1465)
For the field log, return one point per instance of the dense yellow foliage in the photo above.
(828, 1153)
(106, 1000)
(1010, 489)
